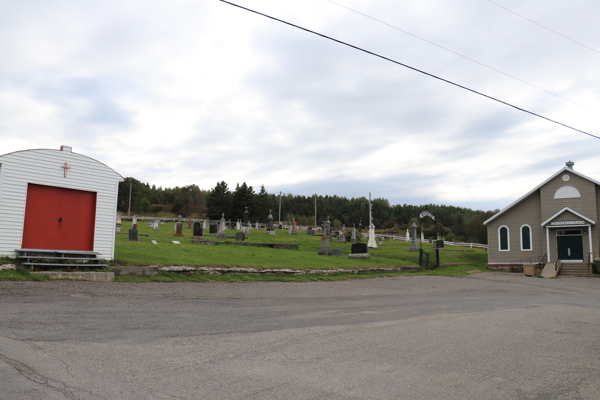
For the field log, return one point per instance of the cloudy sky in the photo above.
(180, 92)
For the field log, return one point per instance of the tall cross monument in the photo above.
(371, 242)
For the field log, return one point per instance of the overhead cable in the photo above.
(461, 55)
(409, 67)
(542, 26)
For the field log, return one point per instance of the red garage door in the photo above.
(59, 219)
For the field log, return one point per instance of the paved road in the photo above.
(485, 336)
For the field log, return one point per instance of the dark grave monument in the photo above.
(198, 231)
(239, 237)
(413, 244)
(359, 250)
(213, 228)
(133, 235)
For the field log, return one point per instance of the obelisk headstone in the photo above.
(371, 242)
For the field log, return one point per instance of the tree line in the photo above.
(452, 223)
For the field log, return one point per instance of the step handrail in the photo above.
(557, 265)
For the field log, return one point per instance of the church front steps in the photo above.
(572, 269)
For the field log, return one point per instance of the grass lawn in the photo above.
(392, 253)
(456, 261)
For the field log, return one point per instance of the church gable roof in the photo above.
(568, 210)
(560, 171)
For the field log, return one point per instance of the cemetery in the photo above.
(280, 251)
(271, 249)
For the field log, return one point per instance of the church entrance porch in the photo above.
(570, 245)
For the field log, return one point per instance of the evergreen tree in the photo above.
(219, 201)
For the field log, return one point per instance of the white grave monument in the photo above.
(407, 236)
(156, 225)
(371, 242)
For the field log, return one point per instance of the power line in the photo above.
(460, 55)
(542, 26)
(409, 67)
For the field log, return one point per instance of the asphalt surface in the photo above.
(484, 336)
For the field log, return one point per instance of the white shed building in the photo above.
(57, 200)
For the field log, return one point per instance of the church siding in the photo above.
(527, 212)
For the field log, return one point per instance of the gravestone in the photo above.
(178, 229)
(309, 232)
(156, 225)
(324, 246)
(257, 227)
(342, 237)
(371, 242)
(353, 238)
(221, 233)
(337, 253)
(118, 223)
(407, 235)
(190, 223)
(134, 222)
(327, 227)
(133, 235)
(246, 213)
(175, 242)
(205, 224)
(360, 225)
(198, 231)
(154, 242)
(293, 226)
(239, 237)
(270, 229)
(150, 222)
(413, 244)
(237, 225)
(359, 248)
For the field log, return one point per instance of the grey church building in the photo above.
(556, 219)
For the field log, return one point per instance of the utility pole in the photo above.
(279, 208)
(315, 211)
(129, 210)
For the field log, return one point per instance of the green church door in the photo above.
(570, 247)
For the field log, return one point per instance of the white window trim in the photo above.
(530, 238)
(500, 238)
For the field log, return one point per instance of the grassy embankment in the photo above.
(455, 261)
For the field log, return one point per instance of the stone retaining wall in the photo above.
(78, 276)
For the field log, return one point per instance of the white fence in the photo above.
(446, 243)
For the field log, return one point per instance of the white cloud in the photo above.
(186, 92)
